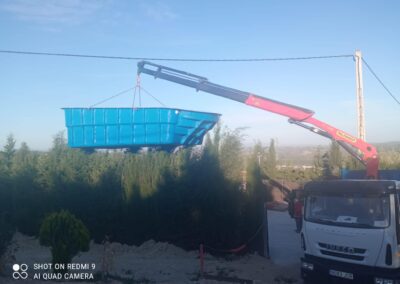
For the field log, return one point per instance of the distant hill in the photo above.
(388, 146)
(304, 155)
(299, 155)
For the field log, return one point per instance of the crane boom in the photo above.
(361, 150)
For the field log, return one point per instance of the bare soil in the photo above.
(152, 262)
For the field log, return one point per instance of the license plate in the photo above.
(341, 274)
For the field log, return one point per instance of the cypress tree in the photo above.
(271, 160)
(9, 151)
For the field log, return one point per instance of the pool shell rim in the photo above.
(144, 145)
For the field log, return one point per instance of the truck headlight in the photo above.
(309, 266)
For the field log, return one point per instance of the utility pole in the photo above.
(360, 96)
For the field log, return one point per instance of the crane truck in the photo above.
(351, 228)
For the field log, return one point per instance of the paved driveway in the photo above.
(285, 248)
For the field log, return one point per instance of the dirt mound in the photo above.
(151, 262)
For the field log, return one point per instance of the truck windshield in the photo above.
(349, 211)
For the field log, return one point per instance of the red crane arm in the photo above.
(361, 150)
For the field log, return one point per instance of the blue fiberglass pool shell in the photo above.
(102, 128)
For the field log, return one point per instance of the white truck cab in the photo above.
(351, 231)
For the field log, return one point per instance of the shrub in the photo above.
(66, 235)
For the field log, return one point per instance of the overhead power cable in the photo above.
(380, 81)
(199, 60)
(174, 59)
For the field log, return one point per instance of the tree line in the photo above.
(187, 197)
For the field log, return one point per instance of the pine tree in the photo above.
(217, 139)
(326, 168)
(231, 156)
(335, 158)
(318, 163)
(24, 162)
(9, 151)
(271, 160)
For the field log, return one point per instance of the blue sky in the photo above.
(33, 89)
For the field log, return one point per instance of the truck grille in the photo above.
(342, 251)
